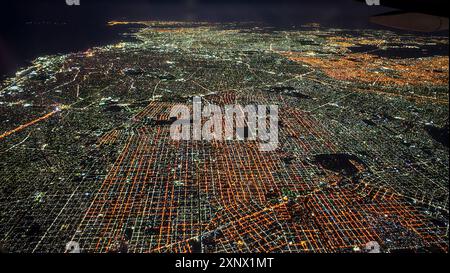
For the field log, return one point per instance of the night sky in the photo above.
(336, 12)
(271, 11)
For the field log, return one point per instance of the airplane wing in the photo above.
(413, 15)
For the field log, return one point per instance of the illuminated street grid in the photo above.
(86, 153)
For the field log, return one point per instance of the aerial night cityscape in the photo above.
(88, 162)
